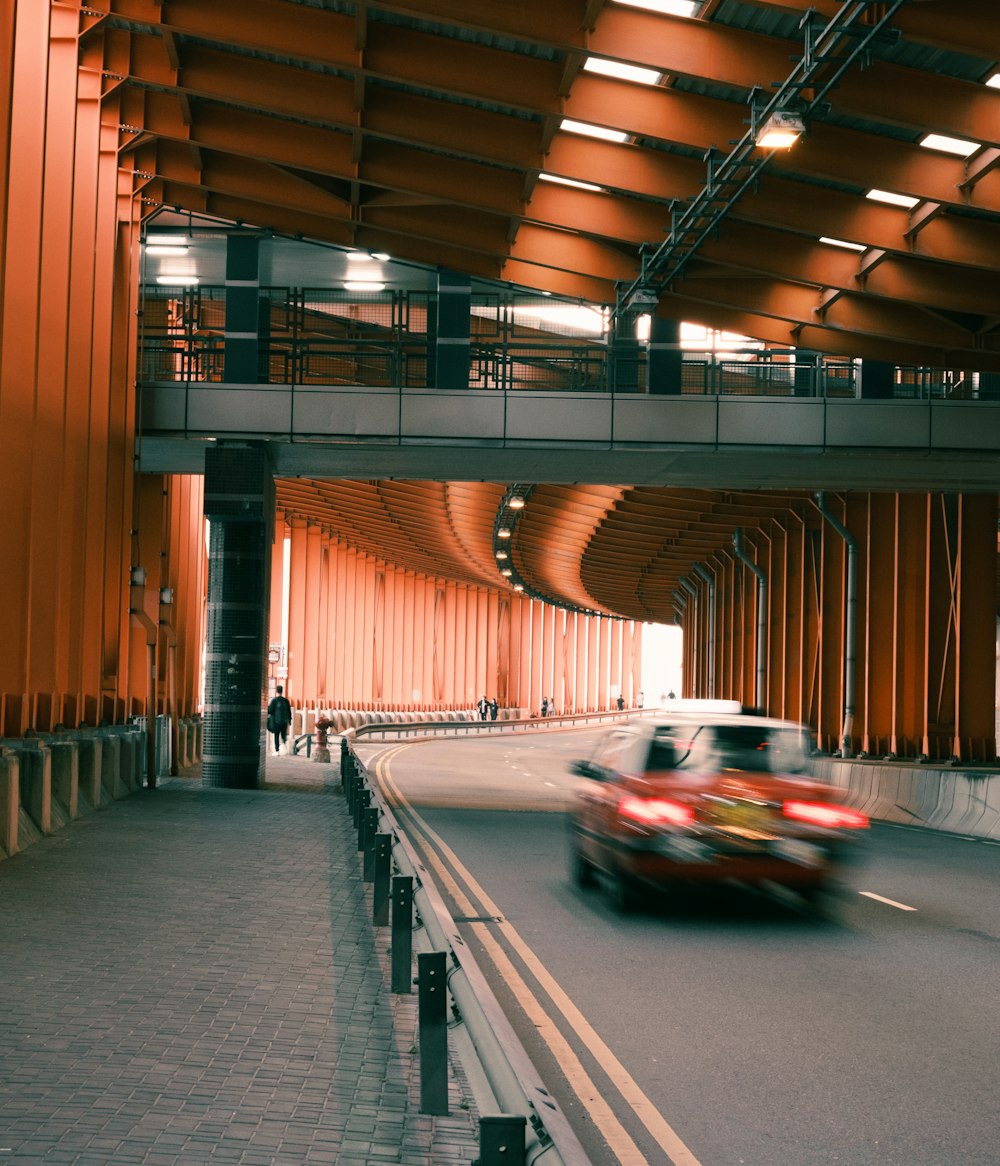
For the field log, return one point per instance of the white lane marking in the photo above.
(888, 902)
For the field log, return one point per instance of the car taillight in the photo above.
(825, 815)
(656, 811)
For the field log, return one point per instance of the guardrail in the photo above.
(385, 731)
(524, 1102)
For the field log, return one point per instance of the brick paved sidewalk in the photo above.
(190, 976)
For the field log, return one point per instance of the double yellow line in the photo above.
(445, 864)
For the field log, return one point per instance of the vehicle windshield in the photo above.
(743, 748)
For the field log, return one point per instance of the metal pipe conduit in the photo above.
(850, 623)
(761, 616)
(709, 579)
(516, 1086)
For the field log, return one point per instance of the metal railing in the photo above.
(324, 337)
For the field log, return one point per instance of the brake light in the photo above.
(825, 815)
(656, 811)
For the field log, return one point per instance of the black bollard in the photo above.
(402, 932)
(432, 1014)
(369, 828)
(501, 1140)
(382, 863)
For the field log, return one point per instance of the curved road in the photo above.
(722, 1029)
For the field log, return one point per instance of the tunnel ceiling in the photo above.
(436, 131)
(615, 550)
(422, 129)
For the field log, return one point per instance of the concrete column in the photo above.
(665, 358)
(242, 365)
(875, 380)
(452, 340)
(239, 503)
(625, 356)
(10, 799)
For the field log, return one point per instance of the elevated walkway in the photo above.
(191, 976)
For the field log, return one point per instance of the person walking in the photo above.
(494, 708)
(279, 717)
(484, 708)
(545, 706)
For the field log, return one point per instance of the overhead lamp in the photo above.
(516, 502)
(518, 586)
(781, 130)
(176, 242)
(166, 596)
(948, 145)
(137, 576)
(622, 72)
(503, 532)
(359, 257)
(177, 280)
(381, 256)
(994, 81)
(502, 555)
(560, 181)
(364, 285)
(891, 198)
(166, 248)
(586, 130)
(845, 244)
(506, 571)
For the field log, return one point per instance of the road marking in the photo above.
(888, 902)
(611, 1129)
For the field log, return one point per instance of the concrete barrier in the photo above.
(65, 779)
(957, 801)
(10, 801)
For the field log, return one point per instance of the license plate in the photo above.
(746, 818)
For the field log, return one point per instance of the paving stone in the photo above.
(209, 989)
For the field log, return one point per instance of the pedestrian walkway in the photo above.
(191, 976)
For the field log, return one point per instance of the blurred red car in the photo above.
(708, 799)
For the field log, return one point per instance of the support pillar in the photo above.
(242, 364)
(239, 504)
(452, 342)
(665, 358)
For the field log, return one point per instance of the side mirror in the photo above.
(586, 769)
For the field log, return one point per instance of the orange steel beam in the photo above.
(910, 654)
(974, 704)
(787, 257)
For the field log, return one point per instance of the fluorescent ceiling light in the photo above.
(664, 7)
(163, 249)
(381, 256)
(167, 240)
(842, 243)
(781, 130)
(961, 146)
(994, 81)
(893, 199)
(177, 280)
(622, 72)
(359, 257)
(560, 181)
(368, 285)
(592, 131)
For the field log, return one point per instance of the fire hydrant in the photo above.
(322, 750)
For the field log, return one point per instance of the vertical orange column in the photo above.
(277, 600)
(537, 638)
(795, 620)
(524, 681)
(491, 616)
(548, 646)
(569, 661)
(603, 662)
(974, 702)
(909, 719)
(514, 659)
(324, 630)
(617, 637)
(298, 582)
(409, 617)
(875, 680)
(582, 630)
(593, 661)
(339, 694)
(430, 593)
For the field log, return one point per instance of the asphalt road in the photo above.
(728, 1029)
